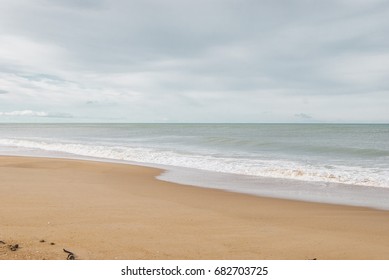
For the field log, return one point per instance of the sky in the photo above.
(194, 61)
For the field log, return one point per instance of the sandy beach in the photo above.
(116, 211)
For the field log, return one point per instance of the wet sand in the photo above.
(116, 211)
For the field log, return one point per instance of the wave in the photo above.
(365, 176)
(348, 151)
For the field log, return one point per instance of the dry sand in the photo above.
(116, 211)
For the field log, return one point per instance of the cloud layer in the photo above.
(30, 113)
(196, 61)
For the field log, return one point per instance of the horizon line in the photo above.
(324, 123)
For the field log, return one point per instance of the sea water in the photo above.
(336, 163)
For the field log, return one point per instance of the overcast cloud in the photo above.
(194, 61)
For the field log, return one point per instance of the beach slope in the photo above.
(117, 211)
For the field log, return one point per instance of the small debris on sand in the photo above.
(13, 247)
(71, 255)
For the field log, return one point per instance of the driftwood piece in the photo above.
(71, 255)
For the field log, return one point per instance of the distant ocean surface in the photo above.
(348, 154)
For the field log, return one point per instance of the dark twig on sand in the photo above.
(71, 255)
(2, 242)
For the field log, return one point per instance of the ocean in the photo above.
(334, 163)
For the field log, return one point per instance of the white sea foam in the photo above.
(286, 169)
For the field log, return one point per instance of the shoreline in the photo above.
(102, 210)
(268, 187)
